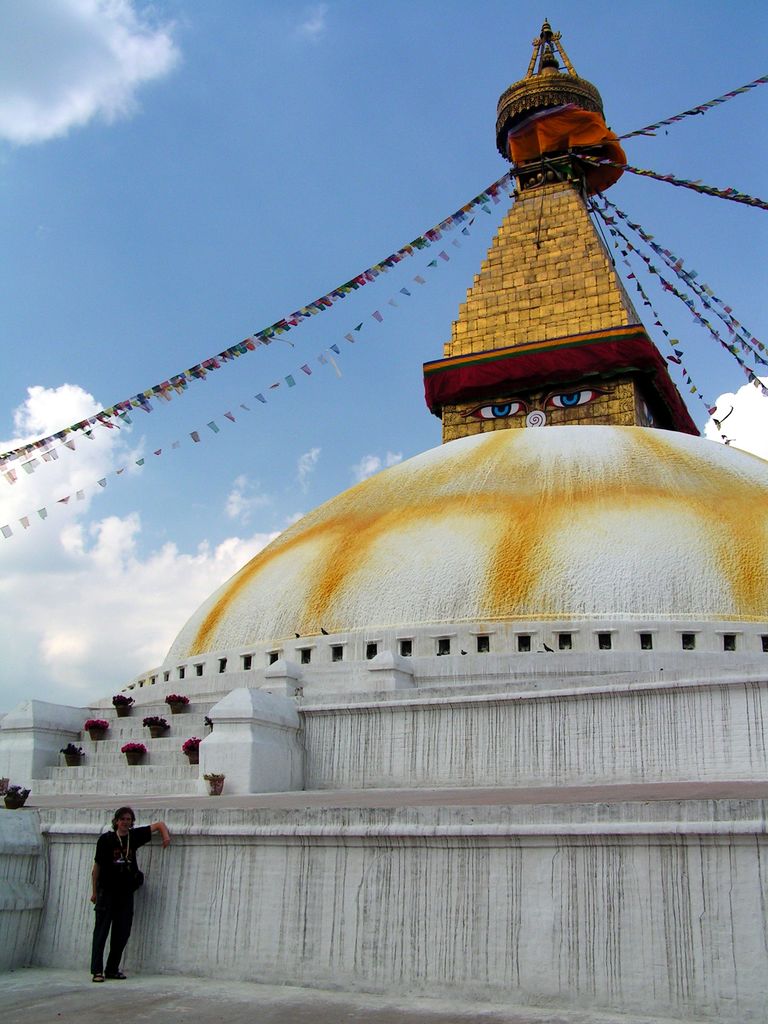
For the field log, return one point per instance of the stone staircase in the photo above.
(165, 770)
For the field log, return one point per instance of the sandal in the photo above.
(118, 976)
(98, 977)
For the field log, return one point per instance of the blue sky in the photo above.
(177, 175)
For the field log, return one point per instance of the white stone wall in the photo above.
(504, 666)
(22, 885)
(657, 908)
(31, 737)
(618, 733)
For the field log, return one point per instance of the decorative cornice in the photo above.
(544, 86)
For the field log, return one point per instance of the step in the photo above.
(120, 786)
(118, 735)
(122, 778)
(168, 755)
(200, 708)
(121, 767)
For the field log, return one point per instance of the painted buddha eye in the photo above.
(570, 399)
(499, 411)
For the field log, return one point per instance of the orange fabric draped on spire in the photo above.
(569, 128)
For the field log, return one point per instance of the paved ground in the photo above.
(422, 797)
(42, 996)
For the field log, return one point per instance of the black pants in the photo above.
(115, 911)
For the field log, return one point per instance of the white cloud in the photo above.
(44, 411)
(743, 418)
(65, 62)
(243, 499)
(314, 24)
(91, 619)
(306, 465)
(81, 612)
(370, 464)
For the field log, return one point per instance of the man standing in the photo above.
(115, 878)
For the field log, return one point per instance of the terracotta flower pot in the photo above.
(215, 787)
(72, 760)
(134, 757)
(97, 734)
(12, 802)
(194, 756)
(156, 731)
(177, 709)
(123, 710)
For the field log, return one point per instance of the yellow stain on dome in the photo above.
(514, 500)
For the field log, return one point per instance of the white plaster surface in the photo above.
(254, 743)
(618, 733)
(31, 736)
(22, 885)
(645, 908)
(391, 672)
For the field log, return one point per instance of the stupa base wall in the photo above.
(645, 907)
(622, 732)
(22, 885)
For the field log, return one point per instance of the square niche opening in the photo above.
(565, 641)
(406, 648)
(443, 646)
(371, 650)
(483, 644)
(688, 641)
(337, 652)
(524, 643)
(646, 641)
(604, 641)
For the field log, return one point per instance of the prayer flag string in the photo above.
(196, 436)
(178, 383)
(650, 129)
(743, 337)
(677, 353)
(696, 186)
(703, 296)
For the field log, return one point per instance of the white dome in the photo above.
(562, 522)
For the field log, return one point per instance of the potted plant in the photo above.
(215, 782)
(191, 748)
(156, 725)
(209, 723)
(177, 702)
(122, 704)
(15, 797)
(134, 752)
(72, 755)
(96, 728)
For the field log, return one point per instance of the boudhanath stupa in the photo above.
(492, 722)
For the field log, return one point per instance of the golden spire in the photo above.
(544, 85)
(548, 335)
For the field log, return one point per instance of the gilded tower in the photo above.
(548, 334)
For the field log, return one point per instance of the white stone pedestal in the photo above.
(255, 743)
